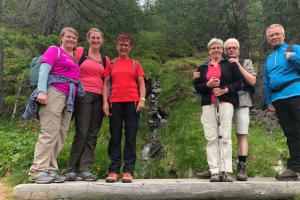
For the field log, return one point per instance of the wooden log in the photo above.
(165, 189)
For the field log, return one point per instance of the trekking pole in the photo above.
(220, 143)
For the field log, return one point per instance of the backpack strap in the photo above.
(111, 66)
(83, 56)
(135, 69)
(289, 48)
(103, 61)
(58, 54)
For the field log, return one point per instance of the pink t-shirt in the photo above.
(213, 71)
(91, 73)
(65, 66)
(124, 80)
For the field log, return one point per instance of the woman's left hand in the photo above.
(218, 91)
(140, 106)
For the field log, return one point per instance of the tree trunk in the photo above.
(258, 98)
(1, 64)
(267, 20)
(243, 29)
(215, 21)
(50, 17)
(18, 96)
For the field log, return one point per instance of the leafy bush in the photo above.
(18, 53)
(150, 45)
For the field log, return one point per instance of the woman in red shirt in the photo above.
(126, 100)
(88, 109)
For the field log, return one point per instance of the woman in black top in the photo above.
(217, 83)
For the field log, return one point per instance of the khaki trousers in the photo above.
(209, 121)
(54, 122)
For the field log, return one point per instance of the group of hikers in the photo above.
(83, 80)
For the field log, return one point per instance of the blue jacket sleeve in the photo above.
(295, 57)
(267, 89)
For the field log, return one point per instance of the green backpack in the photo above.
(35, 69)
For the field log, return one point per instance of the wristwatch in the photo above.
(142, 99)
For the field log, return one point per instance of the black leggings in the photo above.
(123, 113)
(88, 120)
(288, 113)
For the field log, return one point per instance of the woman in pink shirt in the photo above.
(88, 109)
(54, 112)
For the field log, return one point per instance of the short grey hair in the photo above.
(232, 40)
(274, 26)
(215, 41)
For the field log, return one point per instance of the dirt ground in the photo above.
(5, 191)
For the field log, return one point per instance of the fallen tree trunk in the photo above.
(167, 189)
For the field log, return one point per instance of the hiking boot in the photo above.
(44, 178)
(87, 176)
(56, 177)
(215, 178)
(287, 175)
(112, 177)
(204, 175)
(127, 178)
(227, 178)
(242, 171)
(71, 176)
(78, 178)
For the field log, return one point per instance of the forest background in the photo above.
(170, 40)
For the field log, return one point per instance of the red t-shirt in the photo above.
(124, 77)
(213, 71)
(91, 72)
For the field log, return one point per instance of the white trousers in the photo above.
(211, 130)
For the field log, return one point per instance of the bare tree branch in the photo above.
(1, 62)
(50, 17)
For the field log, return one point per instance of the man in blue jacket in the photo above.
(282, 93)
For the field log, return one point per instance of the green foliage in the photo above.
(16, 150)
(152, 68)
(18, 53)
(151, 45)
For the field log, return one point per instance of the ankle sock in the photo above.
(243, 159)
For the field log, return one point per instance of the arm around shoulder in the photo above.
(248, 72)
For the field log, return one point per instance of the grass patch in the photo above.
(6, 190)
